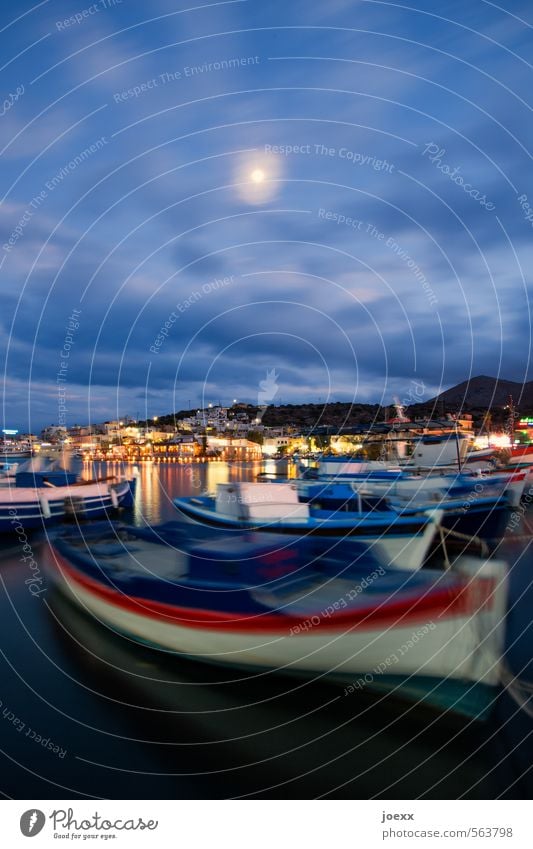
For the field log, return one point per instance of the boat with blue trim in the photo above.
(408, 479)
(405, 541)
(38, 507)
(326, 609)
(470, 505)
(42, 493)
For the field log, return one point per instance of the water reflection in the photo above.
(159, 483)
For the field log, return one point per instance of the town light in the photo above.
(499, 440)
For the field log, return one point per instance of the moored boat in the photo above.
(401, 479)
(467, 511)
(275, 508)
(37, 507)
(302, 608)
(41, 492)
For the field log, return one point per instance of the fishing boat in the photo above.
(472, 504)
(37, 507)
(431, 456)
(300, 607)
(520, 461)
(424, 453)
(276, 508)
(41, 492)
(38, 471)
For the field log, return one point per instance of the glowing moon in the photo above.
(258, 177)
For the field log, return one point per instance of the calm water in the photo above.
(85, 713)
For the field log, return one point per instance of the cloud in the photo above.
(142, 224)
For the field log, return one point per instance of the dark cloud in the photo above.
(141, 222)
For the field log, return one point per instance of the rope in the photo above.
(521, 537)
(485, 550)
(515, 686)
(447, 563)
(527, 526)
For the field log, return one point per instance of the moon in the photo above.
(258, 177)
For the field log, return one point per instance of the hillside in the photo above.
(305, 416)
(484, 392)
(478, 396)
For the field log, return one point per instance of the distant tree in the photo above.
(486, 424)
(255, 436)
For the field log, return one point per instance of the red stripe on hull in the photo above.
(463, 600)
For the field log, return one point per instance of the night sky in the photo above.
(196, 195)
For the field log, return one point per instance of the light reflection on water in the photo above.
(159, 483)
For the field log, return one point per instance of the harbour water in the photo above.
(86, 713)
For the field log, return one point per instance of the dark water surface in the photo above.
(85, 713)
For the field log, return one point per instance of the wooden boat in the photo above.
(473, 513)
(477, 505)
(428, 452)
(41, 492)
(312, 608)
(37, 507)
(519, 462)
(404, 541)
(406, 479)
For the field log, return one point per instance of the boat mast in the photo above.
(457, 446)
(511, 419)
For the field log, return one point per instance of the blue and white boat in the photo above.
(403, 541)
(405, 482)
(428, 452)
(299, 607)
(470, 505)
(38, 507)
(41, 493)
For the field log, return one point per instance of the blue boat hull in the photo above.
(76, 506)
(485, 518)
(30, 516)
(292, 606)
(322, 523)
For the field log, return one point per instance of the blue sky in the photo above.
(338, 191)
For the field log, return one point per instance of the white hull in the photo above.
(463, 646)
(400, 551)
(34, 505)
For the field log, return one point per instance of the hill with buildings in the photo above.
(482, 397)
